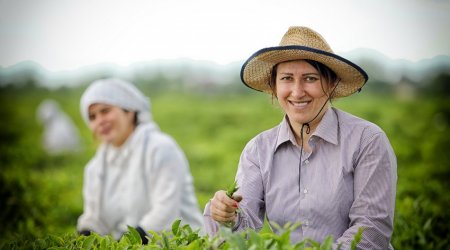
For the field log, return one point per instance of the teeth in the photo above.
(299, 104)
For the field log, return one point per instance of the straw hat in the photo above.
(301, 43)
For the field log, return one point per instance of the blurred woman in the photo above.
(322, 167)
(139, 176)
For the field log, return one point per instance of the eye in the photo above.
(286, 78)
(311, 79)
(91, 117)
(105, 110)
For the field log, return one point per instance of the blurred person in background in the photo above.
(139, 176)
(60, 135)
(322, 167)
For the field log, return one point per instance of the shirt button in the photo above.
(305, 191)
(306, 161)
(306, 223)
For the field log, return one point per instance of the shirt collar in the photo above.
(285, 133)
(113, 154)
(327, 129)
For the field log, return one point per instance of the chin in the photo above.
(301, 119)
(106, 139)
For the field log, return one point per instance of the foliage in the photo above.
(180, 237)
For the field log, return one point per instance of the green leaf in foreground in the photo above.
(357, 238)
(185, 239)
(133, 236)
(175, 227)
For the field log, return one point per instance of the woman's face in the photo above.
(110, 124)
(300, 92)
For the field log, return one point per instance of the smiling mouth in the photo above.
(301, 104)
(104, 131)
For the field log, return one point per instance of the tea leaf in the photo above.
(175, 227)
(166, 244)
(357, 238)
(232, 189)
(133, 236)
(327, 243)
(88, 242)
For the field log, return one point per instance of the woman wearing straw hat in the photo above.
(139, 176)
(322, 167)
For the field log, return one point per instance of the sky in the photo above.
(69, 34)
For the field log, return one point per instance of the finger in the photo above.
(222, 216)
(237, 197)
(223, 198)
(219, 205)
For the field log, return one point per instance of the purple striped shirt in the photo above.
(347, 181)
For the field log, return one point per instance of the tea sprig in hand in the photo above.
(230, 191)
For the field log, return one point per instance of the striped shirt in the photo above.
(347, 181)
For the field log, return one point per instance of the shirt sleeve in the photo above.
(167, 174)
(375, 177)
(250, 181)
(251, 207)
(89, 220)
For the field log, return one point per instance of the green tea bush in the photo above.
(180, 237)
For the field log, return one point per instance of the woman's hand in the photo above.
(223, 208)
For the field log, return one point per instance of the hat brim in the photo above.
(256, 71)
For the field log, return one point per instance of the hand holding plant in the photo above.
(230, 192)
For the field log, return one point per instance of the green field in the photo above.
(41, 195)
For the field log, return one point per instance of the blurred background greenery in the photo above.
(41, 194)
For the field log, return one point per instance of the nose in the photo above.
(101, 118)
(298, 89)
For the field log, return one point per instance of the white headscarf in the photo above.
(118, 93)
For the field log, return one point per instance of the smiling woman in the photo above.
(139, 176)
(328, 170)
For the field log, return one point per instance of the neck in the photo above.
(118, 143)
(308, 128)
